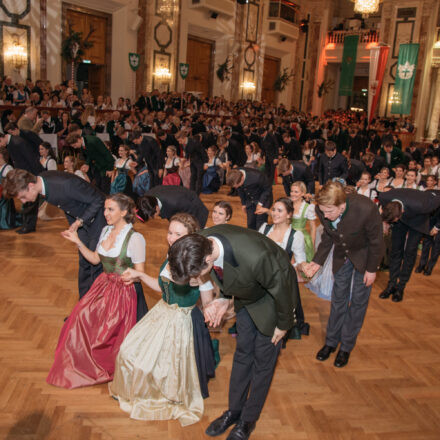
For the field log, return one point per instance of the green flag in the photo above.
(348, 65)
(405, 76)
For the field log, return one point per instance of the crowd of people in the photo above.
(355, 201)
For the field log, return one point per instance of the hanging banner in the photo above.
(405, 76)
(134, 61)
(183, 70)
(348, 65)
(378, 63)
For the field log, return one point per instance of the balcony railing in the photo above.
(365, 36)
(283, 9)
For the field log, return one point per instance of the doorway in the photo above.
(199, 57)
(271, 71)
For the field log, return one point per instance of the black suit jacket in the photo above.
(176, 199)
(292, 150)
(76, 197)
(236, 152)
(330, 167)
(255, 189)
(195, 151)
(358, 237)
(258, 274)
(417, 206)
(301, 172)
(24, 155)
(149, 153)
(269, 145)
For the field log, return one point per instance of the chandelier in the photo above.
(162, 73)
(16, 54)
(366, 7)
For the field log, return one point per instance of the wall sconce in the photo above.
(248, 86)
(162, 73)
(16, 54)
(394, 98)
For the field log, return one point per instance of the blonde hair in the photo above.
(190, 222)
(283, 165)
(331, 194)
(300, 185)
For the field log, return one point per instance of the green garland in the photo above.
(70, 40)
(282, 80)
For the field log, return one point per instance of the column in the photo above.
(435, 114)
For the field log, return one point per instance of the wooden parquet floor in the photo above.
(390, 389)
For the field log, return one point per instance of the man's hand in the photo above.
(278, 335)
(369, 278)
(75, 225)
(109, 174)
(434, 231)
(215, 311)
(310, 269)
(243, 208)
(261, 210)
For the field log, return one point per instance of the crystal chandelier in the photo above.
(366, 7)
(16, 54)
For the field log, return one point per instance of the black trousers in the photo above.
(102, 182)
(269, 169)
(254, 363)
(431, 244)
(196, 180)
(349, 304)
(87, 272)
(404, 243)
(254, 221)
(30, 214)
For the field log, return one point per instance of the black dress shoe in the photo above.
(387, 292)
(342, 359)
(241, 431)
(397, 295)
(24, 231)
(419, 269)
(220, 425)
(428, 271)
(305, 328)
(325, 352)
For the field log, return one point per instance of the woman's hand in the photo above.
(129, 276)
(71, 235)
(261, 210)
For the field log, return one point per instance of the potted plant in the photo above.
(325, 87)
(282, 80)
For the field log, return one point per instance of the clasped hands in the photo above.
(310, 269)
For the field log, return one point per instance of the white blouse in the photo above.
(50, 164)
(79, 173)
(309, 214)
(135, 249)
(298, 245)
(119, 163)
(369, 192)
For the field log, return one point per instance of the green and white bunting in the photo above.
(183, 70)
(405, 77)
(134, 60)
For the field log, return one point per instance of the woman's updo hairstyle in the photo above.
(125, 203)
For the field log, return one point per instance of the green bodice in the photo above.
(182, 295)
(120, 263)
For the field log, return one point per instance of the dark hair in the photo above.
(5, 154)
(17, 180)
(125, 203)
(226, 206)
(187, 257)
(147, 207)
(48, 147)
(401, 166)
(10, 126)
(391, 211)
(288, 204)
(73, 127)
(330, 146)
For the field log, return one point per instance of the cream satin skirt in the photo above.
(156, 374)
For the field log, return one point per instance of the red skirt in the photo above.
(90, 339)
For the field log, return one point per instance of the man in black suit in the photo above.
(269, 146)
(243, 264)
(294, 171)
(148, 153)
(355, 170)
(195, 152)
(332, 164)
(82, 203)
(291, 147)
(408, 210)
(144, 102)
(165, 141)
(254, 190)
(166, 200)
(24, 155)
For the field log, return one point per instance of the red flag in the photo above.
(378, 63)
